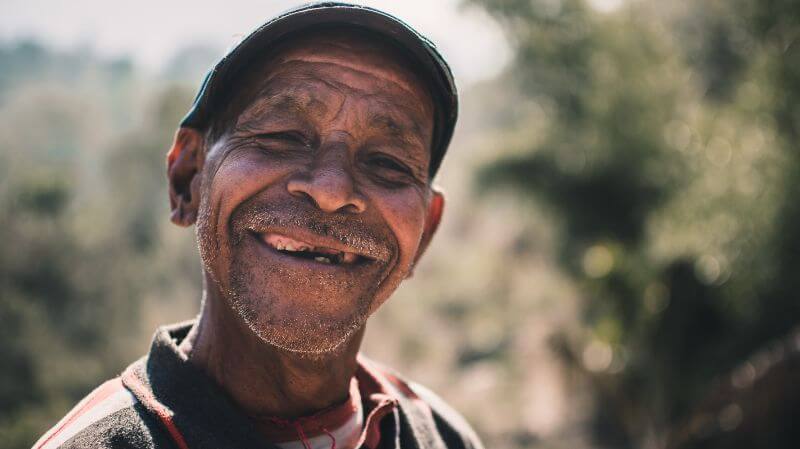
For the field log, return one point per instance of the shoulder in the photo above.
(451, 424)
(427, 408)
(108, 417)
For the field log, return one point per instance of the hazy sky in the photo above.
(150, 31)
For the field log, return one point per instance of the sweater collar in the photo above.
(207, 417)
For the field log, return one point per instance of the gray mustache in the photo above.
(347, 229)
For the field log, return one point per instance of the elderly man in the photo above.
(305, 165)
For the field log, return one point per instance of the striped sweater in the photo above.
(162, 401)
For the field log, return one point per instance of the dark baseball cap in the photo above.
(420, 51)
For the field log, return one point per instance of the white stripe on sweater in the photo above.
(114, 403)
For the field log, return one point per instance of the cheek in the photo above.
(404, 212)
(239, 177)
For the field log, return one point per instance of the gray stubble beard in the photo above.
(309, 336)
(303, 335)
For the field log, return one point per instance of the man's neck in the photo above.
(262, 379)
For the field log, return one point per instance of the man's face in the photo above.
(314, 202)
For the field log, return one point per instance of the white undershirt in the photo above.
(347, 435)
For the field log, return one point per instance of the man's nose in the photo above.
(329, 185)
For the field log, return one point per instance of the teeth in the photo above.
(327, 255)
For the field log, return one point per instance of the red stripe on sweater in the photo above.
(151, 403)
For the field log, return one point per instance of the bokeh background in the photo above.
(618, 265)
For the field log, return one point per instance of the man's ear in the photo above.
(184, 164)
(432, 220)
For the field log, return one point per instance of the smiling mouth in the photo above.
(304, 250)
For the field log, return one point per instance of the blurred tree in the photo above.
(84, 207)
(632, 98)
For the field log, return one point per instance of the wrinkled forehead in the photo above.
(360, 51)
(293, 64)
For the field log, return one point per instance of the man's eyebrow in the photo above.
(294, 101)
(407, 131)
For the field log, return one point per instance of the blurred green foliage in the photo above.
(664, 122)
(82, 195)
(616, 267)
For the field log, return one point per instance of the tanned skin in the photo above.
(332, 148)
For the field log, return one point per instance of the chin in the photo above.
(298, 315)
(305, 340)
(298, 332)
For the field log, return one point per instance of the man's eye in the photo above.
(284, 144)
(286, 138)
(388, 163)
